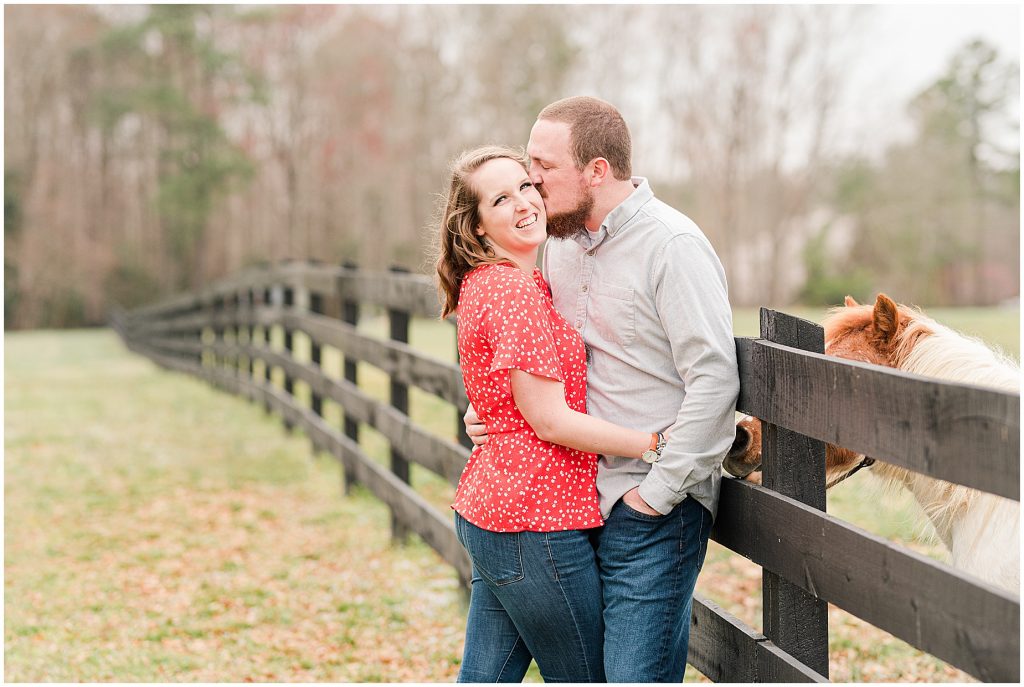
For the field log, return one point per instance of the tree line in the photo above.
(150, 150)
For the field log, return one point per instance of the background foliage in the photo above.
(153, 149)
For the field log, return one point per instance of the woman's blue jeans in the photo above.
(534, 595)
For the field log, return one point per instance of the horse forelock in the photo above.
(844, 320)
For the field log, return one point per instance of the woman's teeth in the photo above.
(525, 222)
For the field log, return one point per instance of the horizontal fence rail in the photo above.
(925, 603)
(220, 333)
(915, 422)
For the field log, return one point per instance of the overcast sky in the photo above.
(907, 47)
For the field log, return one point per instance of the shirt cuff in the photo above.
(659, 496)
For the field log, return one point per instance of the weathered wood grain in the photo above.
(725, 650)
(398, 393)
(956, 432)
(931, 606)
(794, 465)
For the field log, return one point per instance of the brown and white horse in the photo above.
(981, 530)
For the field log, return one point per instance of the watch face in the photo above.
(649, 456)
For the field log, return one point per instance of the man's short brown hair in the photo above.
(597, 130)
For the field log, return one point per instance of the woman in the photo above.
(526, 500)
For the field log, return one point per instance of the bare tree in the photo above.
(749, 93)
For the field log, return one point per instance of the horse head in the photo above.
(865, 333)
(744, 457)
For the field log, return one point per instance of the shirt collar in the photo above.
(627, 209)
(619, 216)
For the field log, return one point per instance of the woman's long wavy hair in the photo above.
(460, 248)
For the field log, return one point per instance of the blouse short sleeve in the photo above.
(518, 328)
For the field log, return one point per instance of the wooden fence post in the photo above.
(194, 336)
(288, 301)
(268, 300)
(794, 465)
(250, 331)
(398, 330)
(220, 357)
(236, 334)
(316, 305)
(350, 315)
(209, 305)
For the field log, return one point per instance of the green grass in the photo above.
(159, 530)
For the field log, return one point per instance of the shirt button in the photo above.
(579, 325)
(590, 252)
(585, 288)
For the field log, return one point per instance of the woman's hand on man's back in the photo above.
(476, 430)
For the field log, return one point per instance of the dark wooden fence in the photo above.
(955, 432)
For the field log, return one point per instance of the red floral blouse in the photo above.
(516, 481)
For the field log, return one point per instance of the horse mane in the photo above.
(925, 347)
(928, 348)
(947, 354)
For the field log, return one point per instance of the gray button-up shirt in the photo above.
(649, 296)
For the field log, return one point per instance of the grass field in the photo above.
(157, 530)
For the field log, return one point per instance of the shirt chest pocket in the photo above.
(613, 313)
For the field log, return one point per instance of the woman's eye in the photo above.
(499, 199)
(526, 185)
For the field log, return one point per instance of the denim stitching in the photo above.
(508, 658)
(521, 570)
(676, 580)
(551, 556)
(575, 622)
(703, 547)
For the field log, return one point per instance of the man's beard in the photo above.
(566, 225)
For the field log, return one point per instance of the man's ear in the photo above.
(601, 171)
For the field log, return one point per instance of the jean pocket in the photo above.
(642, 516)
(496, 555)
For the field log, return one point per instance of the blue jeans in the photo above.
(649, 567)
(534, 595)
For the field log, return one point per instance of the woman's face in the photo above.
(510, 208)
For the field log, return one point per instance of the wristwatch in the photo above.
(653, 454)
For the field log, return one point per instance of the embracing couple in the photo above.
(602, 392)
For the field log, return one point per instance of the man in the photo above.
(643, 285)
